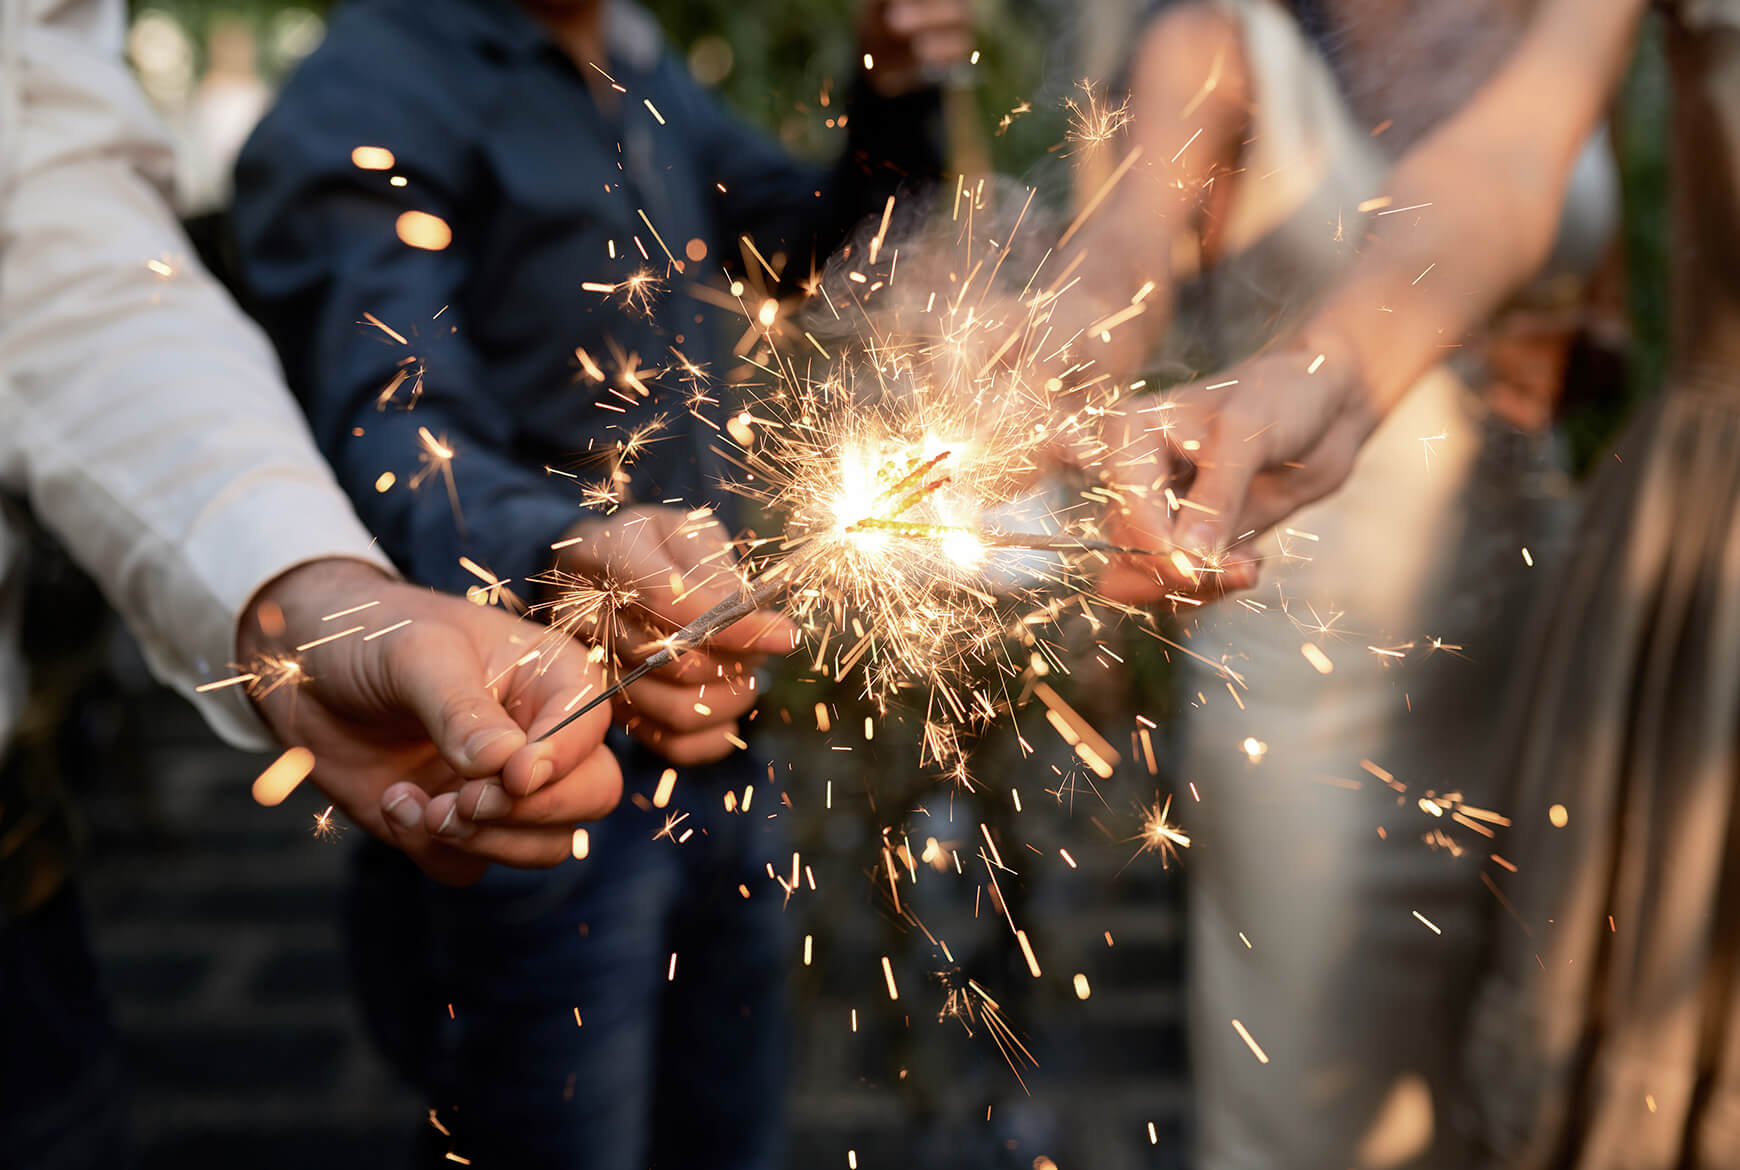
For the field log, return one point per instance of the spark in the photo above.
(280, 778)
(1158, 834)
(326, 828)
(435, 457)
(967, 1001)
(1250, 1042)
(1426, 443)
(1015, 112)
(1094, 119)
(272, 672)
(638, 294)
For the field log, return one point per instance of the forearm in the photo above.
(295, 607)
(1475, 207)
(1142, 194)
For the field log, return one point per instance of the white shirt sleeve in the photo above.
(142, 415)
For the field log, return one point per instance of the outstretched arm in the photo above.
(1282, 429)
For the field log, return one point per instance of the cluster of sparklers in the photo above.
(926, 543)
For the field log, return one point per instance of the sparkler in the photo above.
(726, 613)
(898, 464)
(1159, 834)
(771, 586)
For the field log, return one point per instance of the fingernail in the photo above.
(454, 827)
(480, 740)
(1199, 538)
(541, 772)
(403, 811)
(492, 803)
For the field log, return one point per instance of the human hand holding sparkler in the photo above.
(911, 43)
(1263, 439)
(421, 734)
(670, 567)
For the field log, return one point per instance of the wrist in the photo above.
(295, 601)
(1328, 350)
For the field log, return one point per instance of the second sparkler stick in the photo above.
(728, 612)
(770, 585)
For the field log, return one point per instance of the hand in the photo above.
(914, 43)
(1273, 440)
(421, 735)
(677, 567)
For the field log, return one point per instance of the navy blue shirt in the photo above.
(493, 130)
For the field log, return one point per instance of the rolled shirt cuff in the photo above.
(263, 526)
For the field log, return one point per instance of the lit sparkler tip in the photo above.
(326, 827)
(1159, 834)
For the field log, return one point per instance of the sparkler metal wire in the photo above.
(771, 585)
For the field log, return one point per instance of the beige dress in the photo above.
(1326, 917)
(1607, 1032)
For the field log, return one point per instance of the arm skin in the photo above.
(1494, 176)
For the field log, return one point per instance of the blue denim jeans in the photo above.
(63, 1104)
(570, 1043)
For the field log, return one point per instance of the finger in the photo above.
(522, 846)
(1276, 494)
(1216, 500)
(402, 813)
(549, 695)
(586, 793)
(942, 44)
(1130, 583)
(1224, 465)
(696, 541)
(1138, 462)
(687, 749)
(688, 709)
(762, 631)
(440, 678)
(710, 664)
(1240, 573)
(702, 574)
(694, 666)
(910, 17)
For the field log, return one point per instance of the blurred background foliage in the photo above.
(772, 60)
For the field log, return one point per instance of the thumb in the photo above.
(696, 541)
(439, 677)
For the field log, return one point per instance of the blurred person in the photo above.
(1333, 915)
(147, 428)
(226, 105)
(1606, 1032)
(580, 197)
